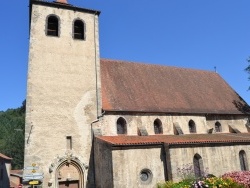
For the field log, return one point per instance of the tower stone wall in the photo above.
(63, 89)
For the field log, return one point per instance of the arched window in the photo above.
(158, 126)
(121, 125)
(243, 160)
(198, 166)
(192, 127)
(52, 26)
(217, 127)
(78, 30)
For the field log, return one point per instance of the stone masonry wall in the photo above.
(128, 163)
(62, 89)
(217, 160)
(203, 123)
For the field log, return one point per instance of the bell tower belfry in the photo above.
(63, 92)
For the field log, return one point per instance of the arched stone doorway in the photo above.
(68, 172)
(69, 175)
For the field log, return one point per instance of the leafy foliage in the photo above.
(12, 123)
(228, 180)
(248, 69)
(213, 182)
(186, 183)
(222, 182)
(242, 177)
(188, 171)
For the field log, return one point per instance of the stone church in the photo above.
(93, 122)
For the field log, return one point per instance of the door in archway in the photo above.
(69, 184)
(69, 175)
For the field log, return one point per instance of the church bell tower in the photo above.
(63, 94)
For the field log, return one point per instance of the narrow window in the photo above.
(121, 125)
(198, 166)
(158, 126)
(78, 30)
(192, 127)
(52, 26)
(243, 160)
(69, 142)
(217, 127)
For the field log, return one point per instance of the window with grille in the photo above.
(78, 30)
(52, 26)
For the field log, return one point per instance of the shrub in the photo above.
(188, 172)
(167, 184)
(239, 179)
(222, 182)
(213, 182)
(242, 177)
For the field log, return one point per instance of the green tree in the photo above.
(12, 123)
(248, 69)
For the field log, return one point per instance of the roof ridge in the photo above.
(155, 64)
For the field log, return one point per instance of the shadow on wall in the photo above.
(242, 106)
(165, 166)
(4, 175)
(91, 171)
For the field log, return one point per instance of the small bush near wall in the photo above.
(213, 182)
(242, 177)
(239, 179)
(229, 180)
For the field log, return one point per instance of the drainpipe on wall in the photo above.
(93, 122)
(168, 162)
(97, 73)
(92, 138)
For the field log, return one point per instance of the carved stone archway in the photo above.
(67, 171)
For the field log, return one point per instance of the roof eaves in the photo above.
(129, 144)
(183, 111)
(137, 144)
(64, 6)
(206, 143)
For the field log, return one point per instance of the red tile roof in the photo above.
(177, 139)
(17, 172)
(140, 87)
(4, 157)
(62, 1)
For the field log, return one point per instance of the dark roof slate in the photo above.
(140, 87)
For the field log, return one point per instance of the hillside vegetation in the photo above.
(12, 122)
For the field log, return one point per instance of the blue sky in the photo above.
(199, 34)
